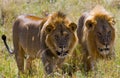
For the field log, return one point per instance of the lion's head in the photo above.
(101, 31)
(60, 34)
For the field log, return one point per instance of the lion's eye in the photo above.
(109, 33)
(67, 36)
(99, 34)
(56, 37)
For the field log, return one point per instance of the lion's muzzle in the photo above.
(104, 50)
(62, 52)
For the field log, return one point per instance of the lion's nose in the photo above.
(106, 45)
(62, 48)
(106, 49)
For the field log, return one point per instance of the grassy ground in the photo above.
(10, 9)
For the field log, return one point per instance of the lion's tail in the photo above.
(4, 40)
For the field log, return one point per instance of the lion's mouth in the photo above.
(62, 54)
(104, 50)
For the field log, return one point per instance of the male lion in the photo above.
(96, 34)
(52, 38)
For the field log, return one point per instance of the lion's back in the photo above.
(26, 33)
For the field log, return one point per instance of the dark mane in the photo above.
(60, 14)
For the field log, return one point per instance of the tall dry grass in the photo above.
(10, 9)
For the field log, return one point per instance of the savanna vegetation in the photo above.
(10, 9)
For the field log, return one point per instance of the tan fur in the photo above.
(93, 30)
(34, 37)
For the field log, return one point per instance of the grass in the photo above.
(73, 8)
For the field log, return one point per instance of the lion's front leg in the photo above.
(48, 63)
(88, 62)
(48, 67)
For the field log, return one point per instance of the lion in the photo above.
(52, 39)
(96, 34)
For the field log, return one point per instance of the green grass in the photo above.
(73, 8)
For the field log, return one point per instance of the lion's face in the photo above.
(104, 35)
(61, 38)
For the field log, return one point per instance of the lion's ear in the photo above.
(73, 26)
(49, 28)
(112, 21)
(90, 24)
